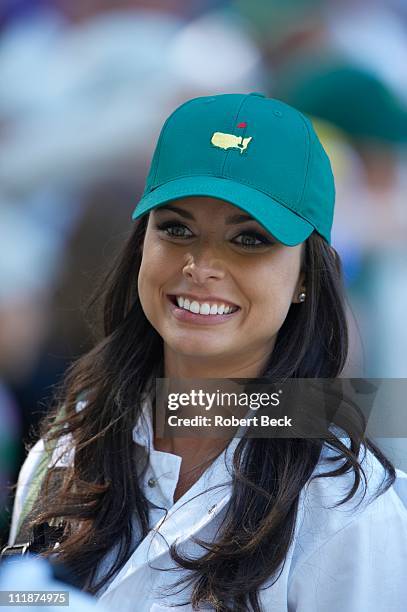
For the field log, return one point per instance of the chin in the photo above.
(196, 348)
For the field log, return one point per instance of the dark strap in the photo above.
(43, 536)
(29, 540)
(12, 550)
(39, 537)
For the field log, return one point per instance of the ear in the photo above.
(299, 288)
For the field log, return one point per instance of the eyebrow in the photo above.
(239, 218)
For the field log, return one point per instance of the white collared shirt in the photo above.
(347, 559)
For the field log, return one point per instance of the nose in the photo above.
(203, 266)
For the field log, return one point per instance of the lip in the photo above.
(205, 298)
(187, 316)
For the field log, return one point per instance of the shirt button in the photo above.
(151, 482)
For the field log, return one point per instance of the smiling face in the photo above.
(195, 249)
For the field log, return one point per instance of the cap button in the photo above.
(257, 93)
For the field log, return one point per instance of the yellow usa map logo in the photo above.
(230, 141)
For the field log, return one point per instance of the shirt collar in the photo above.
(143, 431)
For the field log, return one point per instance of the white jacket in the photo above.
(347, 559)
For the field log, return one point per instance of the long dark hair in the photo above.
(98, 495)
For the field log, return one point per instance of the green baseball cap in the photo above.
(257, 153)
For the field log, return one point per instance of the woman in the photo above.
(236, 213)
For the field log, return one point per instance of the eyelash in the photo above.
(171, 224)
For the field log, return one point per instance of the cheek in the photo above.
(148, 277)
(271, 291)
(142, 285)
(156, 272)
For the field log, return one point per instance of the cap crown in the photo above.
(256, 141)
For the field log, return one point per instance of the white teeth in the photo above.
(204, 308)
(194, 307)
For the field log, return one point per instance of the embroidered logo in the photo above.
(230, 141)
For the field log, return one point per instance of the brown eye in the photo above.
(173, 229)
(249, 238)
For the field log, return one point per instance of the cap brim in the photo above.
(284, 224)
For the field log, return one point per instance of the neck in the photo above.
(249, 365)
(197, 450)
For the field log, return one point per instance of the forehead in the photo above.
(199, 207)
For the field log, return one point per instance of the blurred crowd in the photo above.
(84, 90)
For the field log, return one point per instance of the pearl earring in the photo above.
(301, 296)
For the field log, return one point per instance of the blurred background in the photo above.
(84, 90)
